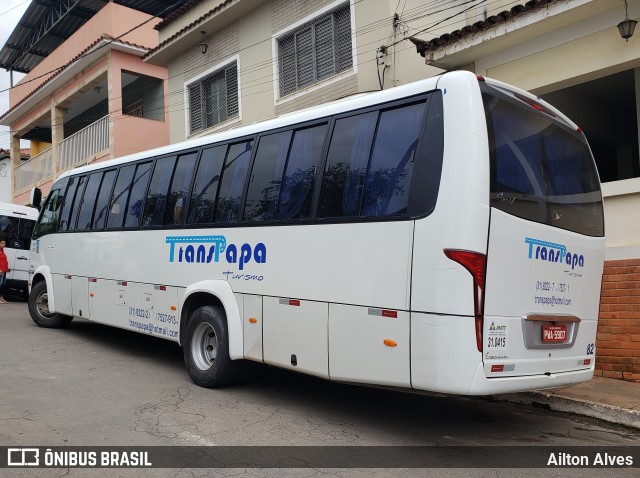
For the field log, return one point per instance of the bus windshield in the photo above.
(540, 169)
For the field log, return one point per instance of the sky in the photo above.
(10, 13)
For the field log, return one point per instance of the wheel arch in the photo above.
(43, 273)
(216, 293)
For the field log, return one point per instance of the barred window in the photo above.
(315, 51)
(213, 99)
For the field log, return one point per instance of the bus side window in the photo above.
(386, 188)
(344, 175)
(24, 233)
(205, 186)
(298, 181)
(180, 185)
(48, 222)
(138, 190)
(233, 178)
(120, 197)
(75, 208)
(67, 202)
(266, 177)
(89, 201)
(102, 203)
(8, 229)
(156, 202)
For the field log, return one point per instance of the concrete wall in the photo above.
(131, 134)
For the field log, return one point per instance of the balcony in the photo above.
(83, 145)
(79, 148)
(31, 172)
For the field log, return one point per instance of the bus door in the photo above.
(545, 251)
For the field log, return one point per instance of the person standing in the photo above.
(4, 268)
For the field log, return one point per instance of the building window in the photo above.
(317, 50)
(213, 99)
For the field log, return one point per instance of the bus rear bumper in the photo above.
(482, 385)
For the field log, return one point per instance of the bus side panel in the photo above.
(62, 290)
(80, 296)
(443, 353)
(461, 216)
(369, 345)
(295, 335)
(252, 326)
(102, 301)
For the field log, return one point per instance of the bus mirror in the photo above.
(36, 198)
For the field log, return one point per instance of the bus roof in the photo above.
(7, 207)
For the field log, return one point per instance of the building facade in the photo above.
(88, 98)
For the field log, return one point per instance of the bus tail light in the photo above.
(476, 264)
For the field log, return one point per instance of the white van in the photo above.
(16, 225)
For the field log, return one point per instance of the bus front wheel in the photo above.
(39, 309)
(206, 348)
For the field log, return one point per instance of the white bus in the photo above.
(445, 235)
(16, 228)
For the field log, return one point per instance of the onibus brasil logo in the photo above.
(207, 249)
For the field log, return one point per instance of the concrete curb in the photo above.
(601, 411)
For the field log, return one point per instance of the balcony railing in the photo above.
(36, 169)
(82, 145)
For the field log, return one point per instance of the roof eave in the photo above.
(214, 20)
(456, 53)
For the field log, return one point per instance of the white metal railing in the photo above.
(35, 169)
(84, 143)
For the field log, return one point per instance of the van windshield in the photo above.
(540, 169)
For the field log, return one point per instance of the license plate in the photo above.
(554, 333)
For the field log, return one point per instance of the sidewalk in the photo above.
(609, 399)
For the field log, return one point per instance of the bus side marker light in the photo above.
(91, 294)
(497, 368)
(390, 343)
(384, 313)
(252, 320)
(173, 307)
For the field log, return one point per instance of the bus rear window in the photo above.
(541, 170)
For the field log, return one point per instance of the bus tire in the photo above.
(206, 348)
(39, 309)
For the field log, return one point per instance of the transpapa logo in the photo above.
(548, 251)
(207, 249)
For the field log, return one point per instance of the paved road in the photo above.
(99, 386)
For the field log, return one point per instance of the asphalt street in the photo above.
(93, 385)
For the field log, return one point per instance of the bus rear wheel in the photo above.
(206, 348)
(39, 309)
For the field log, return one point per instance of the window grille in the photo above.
(315, 51)
(213, 99)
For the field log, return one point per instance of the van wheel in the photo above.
(39, 309)
(206, 348)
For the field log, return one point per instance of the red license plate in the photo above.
(554, 333)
